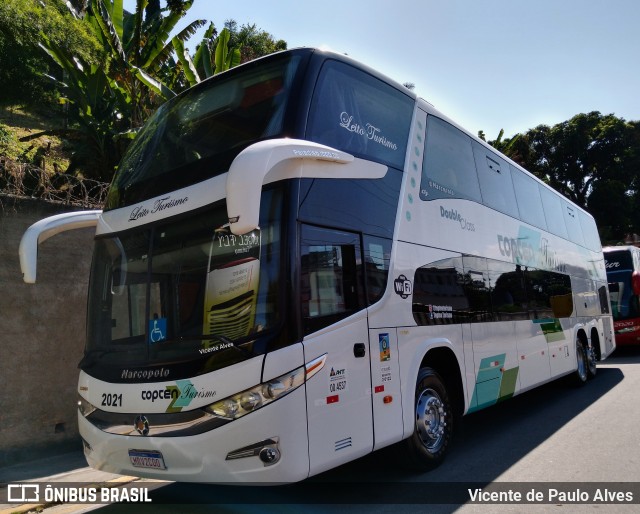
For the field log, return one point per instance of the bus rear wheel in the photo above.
(581, 373)
(433, 428)
(591, 361)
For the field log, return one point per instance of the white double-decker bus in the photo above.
(300, 262)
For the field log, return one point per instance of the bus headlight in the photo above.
(238, 405)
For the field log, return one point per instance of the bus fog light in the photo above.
(269, 455)
(268, 451)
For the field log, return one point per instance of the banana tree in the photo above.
(109, 100)
(139, 49)
(100, 110)
(209, 63)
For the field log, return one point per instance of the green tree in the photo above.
(22, 63)
(139, 48)
(111, 98)
(592, 159)
(611, 204)
(252, 41)
(212, 56)
(573, 155)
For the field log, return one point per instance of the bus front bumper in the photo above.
(266, 446)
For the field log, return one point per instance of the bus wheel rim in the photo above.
(430, 419)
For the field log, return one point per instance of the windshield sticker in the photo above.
(233, 278)
(157, 330)
(385, 351)
(366, 130)
(215, 348)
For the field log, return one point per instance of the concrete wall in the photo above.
(42, 333)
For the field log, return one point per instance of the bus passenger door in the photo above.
(340, 422)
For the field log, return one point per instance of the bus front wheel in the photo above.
(430, 440)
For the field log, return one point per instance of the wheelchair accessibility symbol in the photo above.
(157, 330)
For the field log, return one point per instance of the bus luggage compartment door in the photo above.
(339, 397)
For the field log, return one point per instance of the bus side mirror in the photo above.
(281, 159)
(43, 230)
(635, 283)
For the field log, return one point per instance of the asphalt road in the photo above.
(554, 440)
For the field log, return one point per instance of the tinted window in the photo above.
(448, 169)
(589, 231)
(508, 291)
(572, 223)
(552, 205)
(604, 299)
(494, 174)
(357, 113)
(618, 260)
(484, 290)
(439, 295)
(624, 304)
(477, 288)
(549, 294)
(367, 206)
(528, 198)
(331, 268)
(377, 256)
(197, 135)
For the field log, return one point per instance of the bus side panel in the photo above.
(385, 384)
(562, 346)
(496, 362)
(533, 353)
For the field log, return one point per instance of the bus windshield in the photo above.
(624, 303)
(197, 135)
(184, 290)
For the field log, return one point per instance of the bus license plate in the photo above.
(147, 459)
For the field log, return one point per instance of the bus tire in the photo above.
(580, 375)
(433, 428)
(591, 362)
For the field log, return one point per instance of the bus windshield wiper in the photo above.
(90, 358)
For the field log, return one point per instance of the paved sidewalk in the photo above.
(69, 467)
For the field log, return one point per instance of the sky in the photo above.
(487, 64)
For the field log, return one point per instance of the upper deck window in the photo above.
(357, 113)
(197, 135)
(449, 169)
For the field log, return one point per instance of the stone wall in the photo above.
(42, 333)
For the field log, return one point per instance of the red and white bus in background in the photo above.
(623, 275)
